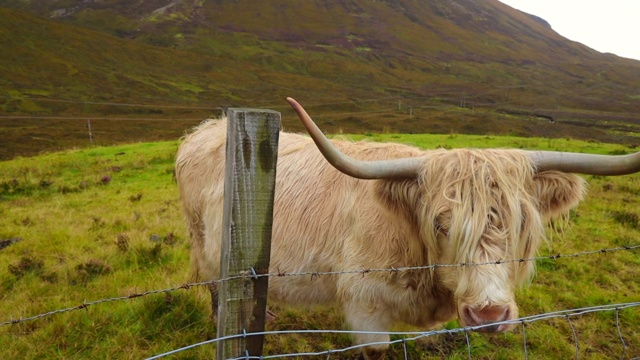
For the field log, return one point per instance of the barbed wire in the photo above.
(251, 273)
(84, 118)
(413, 102)
(388, 110)
(282, 105)
(108, 103)
(414, 335)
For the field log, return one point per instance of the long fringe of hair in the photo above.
(483, 200)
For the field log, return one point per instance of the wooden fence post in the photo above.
(252, 150)
(90, 133)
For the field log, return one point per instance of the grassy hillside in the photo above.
(47, 62)
(388, 46)
(182, 61)
(104, 222)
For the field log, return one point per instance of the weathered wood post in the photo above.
(252, 149)
(90, 133)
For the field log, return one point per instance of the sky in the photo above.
(606, 26)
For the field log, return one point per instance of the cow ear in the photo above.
(401, 196)
(558, 192)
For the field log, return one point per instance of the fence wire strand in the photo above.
(313, 274)
(575, 337)
(624, 344)
(466, 336)
(408, 335)
(524, 339)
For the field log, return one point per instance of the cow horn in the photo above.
(589, 164)
(381, 169)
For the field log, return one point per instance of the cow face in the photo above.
(485, 209)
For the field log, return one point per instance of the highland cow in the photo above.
(369, 205)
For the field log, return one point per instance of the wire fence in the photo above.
(415, 335)
(436, 100)
(406, 336)
(443, 99)
(251, 273)
(388, 114)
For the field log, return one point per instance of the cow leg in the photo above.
(367, 317)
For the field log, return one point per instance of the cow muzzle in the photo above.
(484, 315)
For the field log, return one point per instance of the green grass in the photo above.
(104, 222)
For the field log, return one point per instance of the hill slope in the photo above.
(57, 60)
(431, 55)
(418, 44)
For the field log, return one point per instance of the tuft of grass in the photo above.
(30, 265)
(26, 265)
(89, 270)
(627, 218)
(122, 242)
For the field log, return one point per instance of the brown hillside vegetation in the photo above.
(394, 65)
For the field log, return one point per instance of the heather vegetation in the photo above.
(145, 70)
(104, 222)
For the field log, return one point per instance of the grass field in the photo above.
(104, 222)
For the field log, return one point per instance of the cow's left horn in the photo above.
(381, 169)
(590, 164)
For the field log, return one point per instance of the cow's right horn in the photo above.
(381, 169)
(589, 164)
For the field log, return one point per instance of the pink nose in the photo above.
(474, 316)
